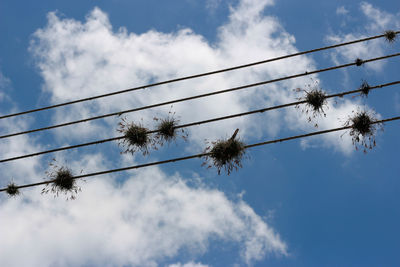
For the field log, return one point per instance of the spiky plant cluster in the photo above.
(363, 129)
(63, 182)
(365, 88)
(359, 62)
(167, 131)
(136, 137)
(315, 102)
(316, 99)
(12, 190)
(225, 154)
(390, 36)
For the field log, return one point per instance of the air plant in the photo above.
(62, 182)
(359, 62)
(136, 137)
(390, 36)
(167, 131)
(12, 190)
(225, 154)
(365, 88)
(363, 129)
(315, 102)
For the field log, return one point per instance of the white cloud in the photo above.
(189, 264)
(143, 220)
(342, 10)
(83, 59)
(377, 22)
(149, 218)
(212, 5)
(5, 83)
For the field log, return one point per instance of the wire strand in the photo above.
(196, 97)
(198, 122)
(199, 155)
(195, 76)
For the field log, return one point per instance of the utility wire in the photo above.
(199, 122)
(195, 76)
(199, 155)
(198, 96)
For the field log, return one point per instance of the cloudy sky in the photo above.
(309, 202)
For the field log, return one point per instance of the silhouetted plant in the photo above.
(225, 154)
(363, 129)
(63, 182)
(365, 88)
(315, 102)
(390, 36)
(167, 130)
(359, 62)
(136, 137)
(12, 190)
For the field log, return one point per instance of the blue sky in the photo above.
(314, 202)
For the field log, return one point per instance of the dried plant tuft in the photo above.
(167, 131)
(315, 102)
(136, 137)
(12, 190)
(225, 154)
(363, 129)
(390, 36)
(365, 88)
(63, 182)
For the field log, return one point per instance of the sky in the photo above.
(306, 202)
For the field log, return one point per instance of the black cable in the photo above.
(199, 155)
(199, 122)
(197, 96)
(195, 76)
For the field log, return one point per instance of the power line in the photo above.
(197, 96)
(199, 155)
(197, 123)
(195, 76)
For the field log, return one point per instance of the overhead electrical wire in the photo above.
(198, 155)
(198, 96)
(197, 75)
(200, 122)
